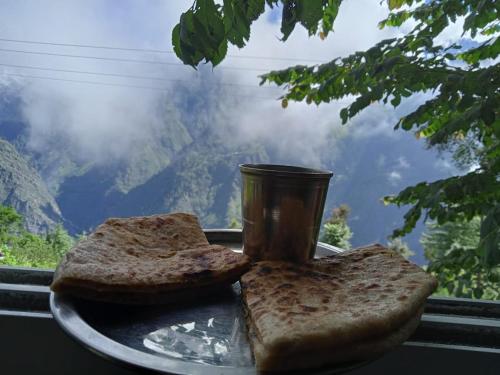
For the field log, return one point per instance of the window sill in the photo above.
(458, 329)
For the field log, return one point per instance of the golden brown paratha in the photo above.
(146, 260)
(335, 309)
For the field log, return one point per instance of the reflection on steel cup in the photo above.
(282, 207)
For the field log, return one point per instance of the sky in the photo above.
(102, 119)
(118, 111)
(101, 122)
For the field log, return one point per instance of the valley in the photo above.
(184, 164)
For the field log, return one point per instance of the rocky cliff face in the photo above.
(22, 187)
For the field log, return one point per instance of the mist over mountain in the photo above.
(190, 164)
(94, 138)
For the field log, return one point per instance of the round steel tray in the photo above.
(206, 337)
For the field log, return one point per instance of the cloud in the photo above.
(102, 123)
(403, 163)
(394, 177)
(298, 134)
(301, 132)
(446, 166)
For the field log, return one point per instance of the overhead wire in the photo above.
(118, 59)
(122, 75)
(122, 59)
(255, 57)
(118, 84)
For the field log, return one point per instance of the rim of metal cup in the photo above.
(284, 171)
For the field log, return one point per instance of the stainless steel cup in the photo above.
(282, 208)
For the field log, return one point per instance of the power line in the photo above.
(87, 82)
(122, 75)
(255, 57)
(118, 85)
(86, 46)
(121, 60)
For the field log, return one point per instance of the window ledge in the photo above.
(460, 330)
(446, 321)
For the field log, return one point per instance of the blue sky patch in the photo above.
(274, 14)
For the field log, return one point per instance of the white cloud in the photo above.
(445, 166)
(403, 163)
(101, 123)
(394, 177)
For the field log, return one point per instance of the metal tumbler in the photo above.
(282, 207)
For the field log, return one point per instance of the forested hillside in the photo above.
(186, 163)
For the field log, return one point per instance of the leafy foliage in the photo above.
(10, 223)
(462, 82)
(336, 231)
(454, 258)
(205, 30)
(21, 248)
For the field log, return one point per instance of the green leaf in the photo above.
(309, 13)
(204, 30)
(488, 115)
(188, 53)
(396, 100)
(176, 40)
(329, 15)
(450, 287)
(395, 4)
(255, 8)
(229, 16)
(236, 25)
(221, 53)
(477, 292)
(288, 18)
(490, 237)
(344, 115)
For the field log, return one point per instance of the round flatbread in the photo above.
(331, 304)
(131, 260)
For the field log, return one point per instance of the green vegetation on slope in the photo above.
(336, 231)
(454, 258)
(205, 182)
(22, 248)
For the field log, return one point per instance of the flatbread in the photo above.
(357, 304)
(146, 260)
(316, 358)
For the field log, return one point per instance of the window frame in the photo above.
(455, 324)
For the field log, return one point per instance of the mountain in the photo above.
(22, 187)
(188, 162)
(202, 178)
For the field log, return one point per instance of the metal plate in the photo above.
(206, 337)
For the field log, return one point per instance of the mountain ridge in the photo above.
(187, 162)
(22, 188)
